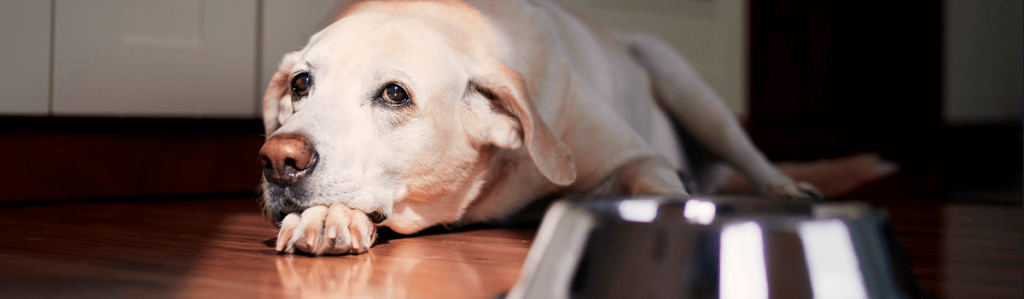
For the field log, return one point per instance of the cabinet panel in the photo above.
(25, 75)
(710, 34)
(982, 62)
(191, 58)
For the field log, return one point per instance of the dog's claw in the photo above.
(288, 226)
(795, 190)
(326, 230)
(810, 191)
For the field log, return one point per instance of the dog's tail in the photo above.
(710, 130)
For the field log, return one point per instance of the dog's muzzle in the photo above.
(287, 159)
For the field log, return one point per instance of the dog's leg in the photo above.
(650, 176)
(697, 109)
(320, 230)
(643, 176)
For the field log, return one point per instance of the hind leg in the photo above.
(651, 175)
(700, 112)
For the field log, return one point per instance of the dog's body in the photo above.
(501, 103)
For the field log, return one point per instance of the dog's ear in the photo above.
(507, 91)
(277, 101)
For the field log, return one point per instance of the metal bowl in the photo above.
(714, 247)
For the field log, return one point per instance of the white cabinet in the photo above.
(982, 62)
(181, 58)
(24, 57)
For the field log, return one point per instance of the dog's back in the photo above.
(605, 62)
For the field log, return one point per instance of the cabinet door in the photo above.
(25, 57)
(181, 58)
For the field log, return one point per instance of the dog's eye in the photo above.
(394, 95)
(300, 85)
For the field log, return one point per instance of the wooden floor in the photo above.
(221, 248)
(960, 244)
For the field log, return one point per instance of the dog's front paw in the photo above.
(323, 230)
(795, 190)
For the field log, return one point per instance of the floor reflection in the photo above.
(321, 277)
(238, 262)
(394, 270)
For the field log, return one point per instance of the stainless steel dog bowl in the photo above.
(714, 247)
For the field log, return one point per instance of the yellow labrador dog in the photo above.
(410, 114)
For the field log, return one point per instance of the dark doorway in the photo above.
(831, 78)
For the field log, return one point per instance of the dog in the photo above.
(411, 114)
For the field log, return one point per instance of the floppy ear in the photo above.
(277, 101)
(505, 87)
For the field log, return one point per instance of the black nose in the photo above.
(378, 217)
(287, 158)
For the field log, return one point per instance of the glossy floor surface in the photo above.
(221, 248)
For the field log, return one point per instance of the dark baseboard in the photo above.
(964, 157)
(57, 158)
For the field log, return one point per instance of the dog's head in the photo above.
(396, 110)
